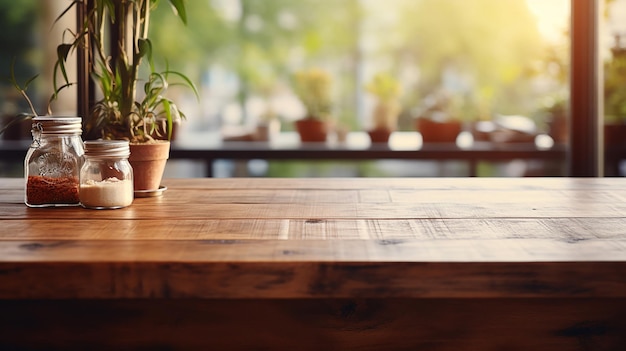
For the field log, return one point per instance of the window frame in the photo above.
(585, 144)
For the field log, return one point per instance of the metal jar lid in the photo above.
(57, 125)
(107, 148)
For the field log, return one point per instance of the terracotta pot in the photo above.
(148, 162)
(311, 130)
(438, 132)
(379, 135)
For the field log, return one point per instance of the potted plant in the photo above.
(556, 115)
(437, 122)
(115, 36)
(312, 86)
(387, 91)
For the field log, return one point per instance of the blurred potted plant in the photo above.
(120, 114)
(387, 91)
(557, 118)
(437, 122)
(312, 86)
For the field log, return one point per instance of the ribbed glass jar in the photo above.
(53, 161)
(106, 178)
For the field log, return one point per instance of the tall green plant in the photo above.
(118, 114)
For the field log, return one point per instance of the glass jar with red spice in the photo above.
(53, 161)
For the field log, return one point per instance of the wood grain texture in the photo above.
(558, 229)
(321, 264)
(227, 237)
(366, 199)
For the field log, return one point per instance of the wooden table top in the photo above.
(311, 238)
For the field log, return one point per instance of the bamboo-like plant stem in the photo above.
(146, 16)
(127, 72)
(98, 30)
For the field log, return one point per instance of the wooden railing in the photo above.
(402, 146)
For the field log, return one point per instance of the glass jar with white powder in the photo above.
(106, 177)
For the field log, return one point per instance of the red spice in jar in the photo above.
(48, 190)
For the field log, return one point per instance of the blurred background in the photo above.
(481, 62)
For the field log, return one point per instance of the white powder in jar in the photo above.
(108, 193)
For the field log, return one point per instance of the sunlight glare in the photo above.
(552, 17)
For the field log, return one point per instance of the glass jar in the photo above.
(106, 178)
(53, 161)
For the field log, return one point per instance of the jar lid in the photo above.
(107, 148)
(57, 125)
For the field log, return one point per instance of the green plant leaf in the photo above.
(13, 79)
(74, 3)
(30, 81)
(63, 51)
(179, 5)
(188, 82)
(54, 95)
(168, 114)
(21, 90)
(145, 50)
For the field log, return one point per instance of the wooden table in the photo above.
(321, 264)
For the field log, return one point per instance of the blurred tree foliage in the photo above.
(263, 42)
(494, 45)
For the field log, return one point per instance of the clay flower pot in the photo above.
(148, 161)
(311, 130)
(379, 135)
(438, 132)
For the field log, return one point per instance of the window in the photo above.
(505, 63)
(490, 61)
